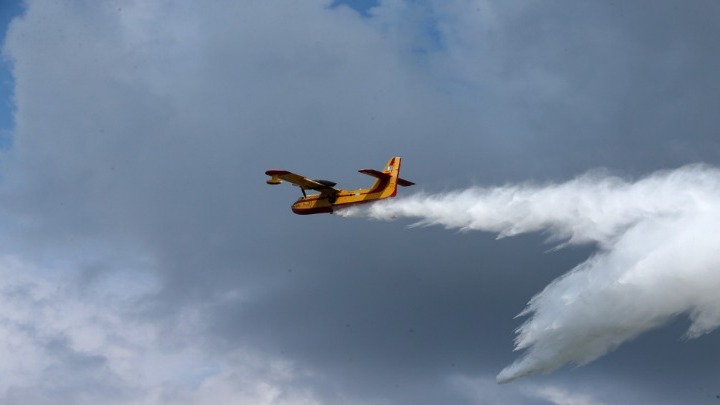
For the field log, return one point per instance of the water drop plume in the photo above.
(658, 255)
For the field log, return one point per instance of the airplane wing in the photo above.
(276, 177)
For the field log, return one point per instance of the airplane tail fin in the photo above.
(388, 179)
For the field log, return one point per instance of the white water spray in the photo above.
(658, 256)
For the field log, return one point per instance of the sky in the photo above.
(145, 260)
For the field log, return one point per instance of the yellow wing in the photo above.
(277, 176)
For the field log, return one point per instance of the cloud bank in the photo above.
(656, 256)
(142, 251)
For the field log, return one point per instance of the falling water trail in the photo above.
(654, 236)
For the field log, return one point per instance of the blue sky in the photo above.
(8, 10)
(361, 6)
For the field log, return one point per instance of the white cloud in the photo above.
(62, 345)
(560, 396)
(485, 391)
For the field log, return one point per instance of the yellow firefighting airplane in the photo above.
(331, 198)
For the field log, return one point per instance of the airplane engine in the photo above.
(327, 183)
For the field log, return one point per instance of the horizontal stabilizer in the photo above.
(375, 173)
(386, 176)
(404, 183)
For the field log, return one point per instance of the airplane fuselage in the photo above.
(323, 203)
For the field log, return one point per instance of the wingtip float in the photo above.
(330, 198)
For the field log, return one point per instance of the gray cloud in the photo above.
(143, 130)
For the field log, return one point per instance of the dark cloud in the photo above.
(143, 131)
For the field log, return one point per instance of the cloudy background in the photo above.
(144, 259)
